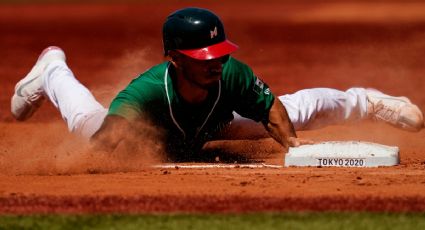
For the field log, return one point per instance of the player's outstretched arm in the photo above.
(281, 128)
(113, 130)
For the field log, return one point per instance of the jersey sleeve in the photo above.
(136, 98)
(252, 97)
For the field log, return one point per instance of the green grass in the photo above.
(315, 221)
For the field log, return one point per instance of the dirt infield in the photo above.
(291, 45)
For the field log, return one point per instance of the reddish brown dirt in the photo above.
(291, 45)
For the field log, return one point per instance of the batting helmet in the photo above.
(197, 33)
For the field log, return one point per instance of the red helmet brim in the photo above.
(211, 52)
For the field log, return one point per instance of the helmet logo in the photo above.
(214, 33)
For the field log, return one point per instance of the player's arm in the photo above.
(112, 132)
(280, 127)
(120, 125)
(254, 100)
(126, 121)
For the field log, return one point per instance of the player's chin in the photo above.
(214, 77)
(213, 81)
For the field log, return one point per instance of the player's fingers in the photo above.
(295, 142)
(306, 141)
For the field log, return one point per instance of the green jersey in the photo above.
(188, 127)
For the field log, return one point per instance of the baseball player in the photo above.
(197, 94)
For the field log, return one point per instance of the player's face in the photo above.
(203, 73)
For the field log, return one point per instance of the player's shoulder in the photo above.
(153, 75)
(235, 69)
(235, 64)
(150, 83)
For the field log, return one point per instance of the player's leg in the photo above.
(52, 78)
(315, 108)
(310, 109)
(319, 107)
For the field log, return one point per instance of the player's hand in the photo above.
(112, 132)
(295, 141)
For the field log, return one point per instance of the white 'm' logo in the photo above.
(214, 32)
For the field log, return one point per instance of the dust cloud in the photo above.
(48, 148)
(121, 71)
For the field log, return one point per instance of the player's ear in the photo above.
(174, 57)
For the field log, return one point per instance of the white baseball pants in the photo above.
(307, 109)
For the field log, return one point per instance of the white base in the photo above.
(343, 154)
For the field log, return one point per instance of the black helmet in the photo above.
(197, 33)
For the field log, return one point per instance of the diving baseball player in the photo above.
(199, 92)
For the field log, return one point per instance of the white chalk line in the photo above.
(208, 166)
